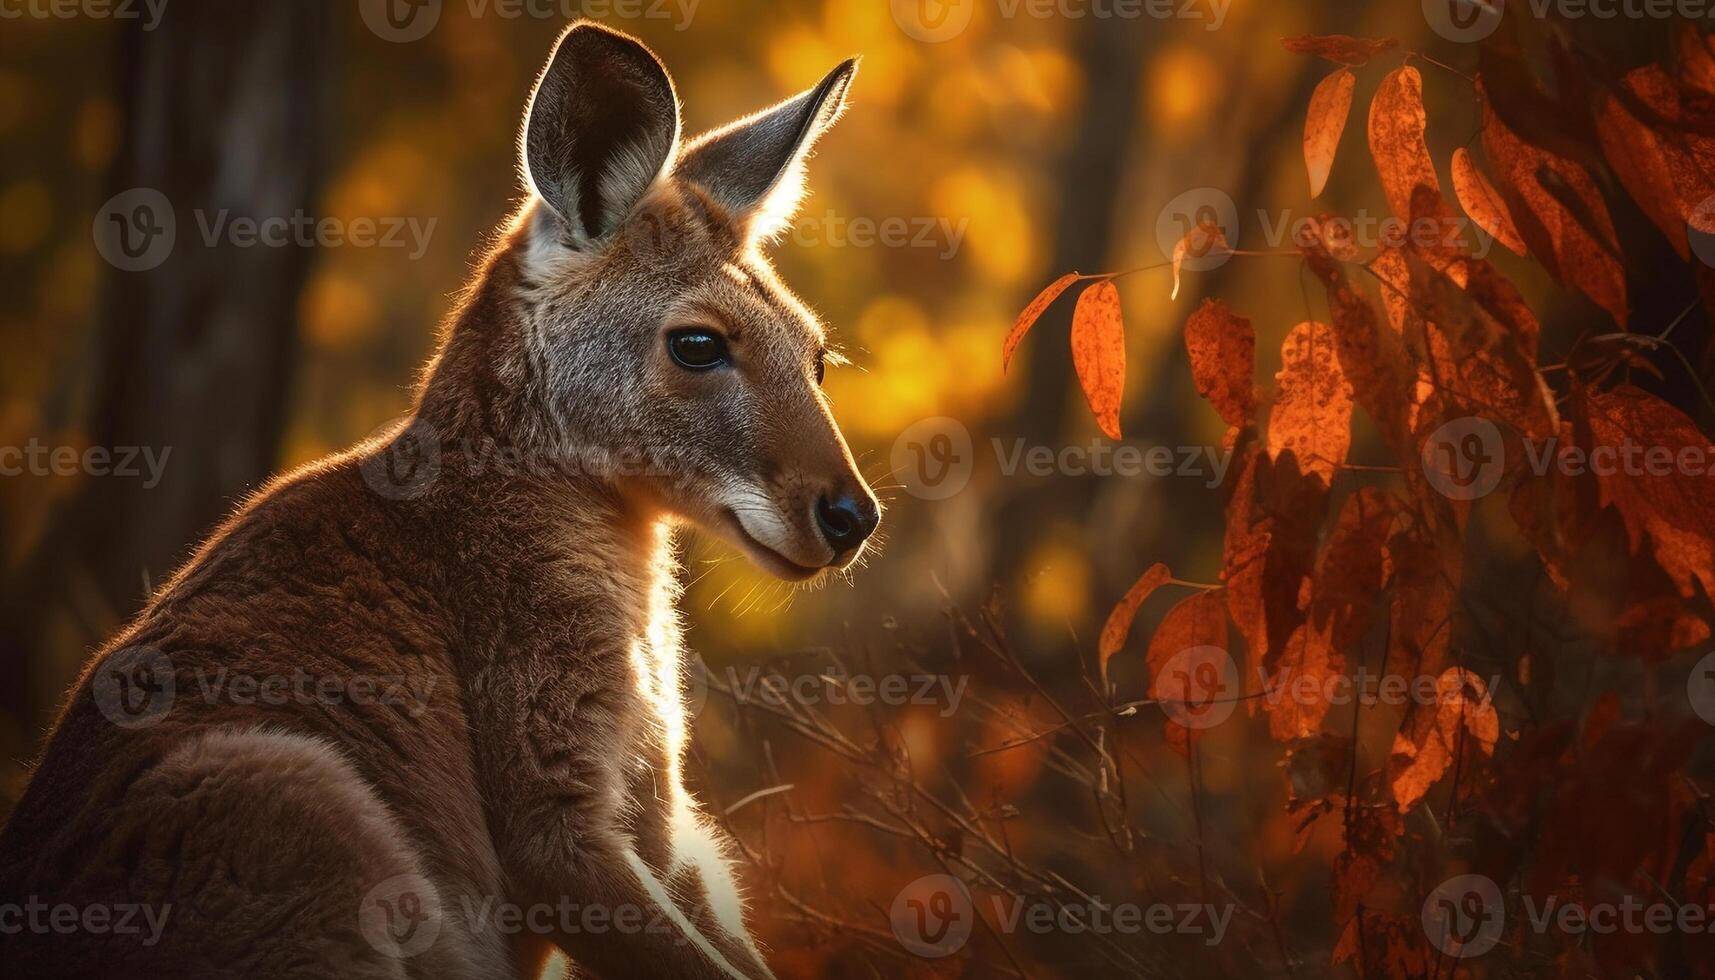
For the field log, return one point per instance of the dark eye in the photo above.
(697, 348)
(821, 365)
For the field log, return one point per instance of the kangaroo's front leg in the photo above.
(557, 743)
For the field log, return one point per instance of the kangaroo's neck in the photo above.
(538, 505)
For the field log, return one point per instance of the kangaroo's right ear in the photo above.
(602, 126)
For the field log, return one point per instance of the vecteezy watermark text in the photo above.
(403, 21)
(146, 12)
(36, 916)
(1466, 458)
(1465, 916)
(36, 458)
(933, 915)
(934, 21)
(136, 230)
(834, 230)
(837, 687)
(136, 686)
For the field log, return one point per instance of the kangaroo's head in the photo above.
(655, 333)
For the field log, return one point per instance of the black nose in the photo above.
(846, 520)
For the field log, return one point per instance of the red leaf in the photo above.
(1119, 620)
(1397, 123)
(1299, 691)
(1222, 347)
(1462, 717)
(1667, 171)
(1197, 622)
(1642, 441)
(1031, 314)
(1098, 353)
(1483, 203)
(1273, 519)
(1313, 406)
(1352, 568)
(1559, 213)
(1341, 49)
(1325, 120)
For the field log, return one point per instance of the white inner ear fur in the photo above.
(628, 179)
(773, 215)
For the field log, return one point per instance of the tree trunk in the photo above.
(224, 110)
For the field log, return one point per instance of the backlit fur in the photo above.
(524, 589)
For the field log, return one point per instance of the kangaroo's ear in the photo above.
(602, 126)
(755, 167)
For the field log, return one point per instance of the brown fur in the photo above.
(522, 590)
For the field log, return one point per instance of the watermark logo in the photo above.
(652, 237)
(401, 916)
(932, 21)
(134, 686)
(1464, 916)
(1198, 687)
(1700, 688)
(933, 458)
(406, 465)
(1465, 458)
(932, 917)
(400, 21)
(1208, 210)
(135, 230)
(1464, 21)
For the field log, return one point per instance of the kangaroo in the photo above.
(413, 712)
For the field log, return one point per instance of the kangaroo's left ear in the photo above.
(754, 167)
(602, 125)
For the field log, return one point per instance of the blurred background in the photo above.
(980, 159)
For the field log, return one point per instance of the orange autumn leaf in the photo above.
(1202, 239)
(1324, 121)
(1299, 693)
(1031, 314)
(1098, 353)
(1273, 520)
(1559, 213)
(1372, 358)
(1341, 49)
(1222, 348)
(1667, 503)
(1387, 946)
(1397, 124)
(1667, 171)
(1425, 566)
(1462, 717)
(1352, 568)
(1119, 620)
(1312, 414)
(1190, 671)
(1483, 203)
